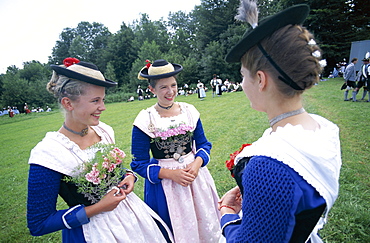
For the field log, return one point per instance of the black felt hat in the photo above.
(159, 69)
(83, 71)
(293, 15)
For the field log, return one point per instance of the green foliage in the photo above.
(213, 56)
(118, 97)
(27, 85)
(151, 31)
(149, 50)
(120, 55)
(85, 41)
(198, 40)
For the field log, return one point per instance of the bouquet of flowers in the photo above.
(230, 164)
(96, 176)
(173, 131)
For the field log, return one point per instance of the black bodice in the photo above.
(68, 191)
(171, 148)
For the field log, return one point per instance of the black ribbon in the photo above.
(286, 79)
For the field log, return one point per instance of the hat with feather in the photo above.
(367, 57)
(248, 12)
(83, 71)
(159, 69)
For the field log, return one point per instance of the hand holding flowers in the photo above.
(101, 174)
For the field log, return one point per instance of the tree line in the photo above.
(198, 40)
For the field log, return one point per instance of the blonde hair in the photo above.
(61, 86)
(291, 48)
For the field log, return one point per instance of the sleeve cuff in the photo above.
(130, 172)
(75, 217)
(152, 173)
(204, 155)
(229, 219)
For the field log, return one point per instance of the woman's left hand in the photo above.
(193, 167)
(127, 184)
(232, 200)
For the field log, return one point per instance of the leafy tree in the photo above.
(213, 60)
(146, 30)
(120, 54)
(228, 39)
(191, 73)
(212, 18)
(148, 51)
(61, 48)
(110, 74)
(336, 24)
(198, 40)
(86, 40)
(181, 28)
(26, 85)
(78, 48)
(361, 19)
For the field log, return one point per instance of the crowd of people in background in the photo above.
(11, 111)
(354, 80)
(216, 84)
(338, 70)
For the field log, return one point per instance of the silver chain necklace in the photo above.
(280, 117)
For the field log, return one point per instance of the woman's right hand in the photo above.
(181, 176)
(109, 202)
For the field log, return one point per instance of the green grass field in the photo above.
(228, 122)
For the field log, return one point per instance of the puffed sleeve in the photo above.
(203, 146)
(141, 163)
(42, 216)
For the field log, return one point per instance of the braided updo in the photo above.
(292, 48)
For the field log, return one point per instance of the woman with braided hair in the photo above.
(288, 179)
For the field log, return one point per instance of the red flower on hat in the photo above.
(230, 163)
(148, 63)
(70, 61)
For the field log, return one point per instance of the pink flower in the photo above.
(105, 164)
(111, 167)
(113, 154)
(93, 177)
(181, 129)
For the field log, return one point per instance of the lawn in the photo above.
(229, 122)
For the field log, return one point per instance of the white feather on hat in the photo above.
(248, 12)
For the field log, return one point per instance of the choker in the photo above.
(165, 107)
(82, 133)
(280, 117)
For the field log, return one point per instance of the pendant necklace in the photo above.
(165, 107)
(82, 133)
(280, 117)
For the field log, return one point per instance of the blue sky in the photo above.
(29, 29)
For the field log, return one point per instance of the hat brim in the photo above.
(178, 68)
(74, 75)
(293, 15)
